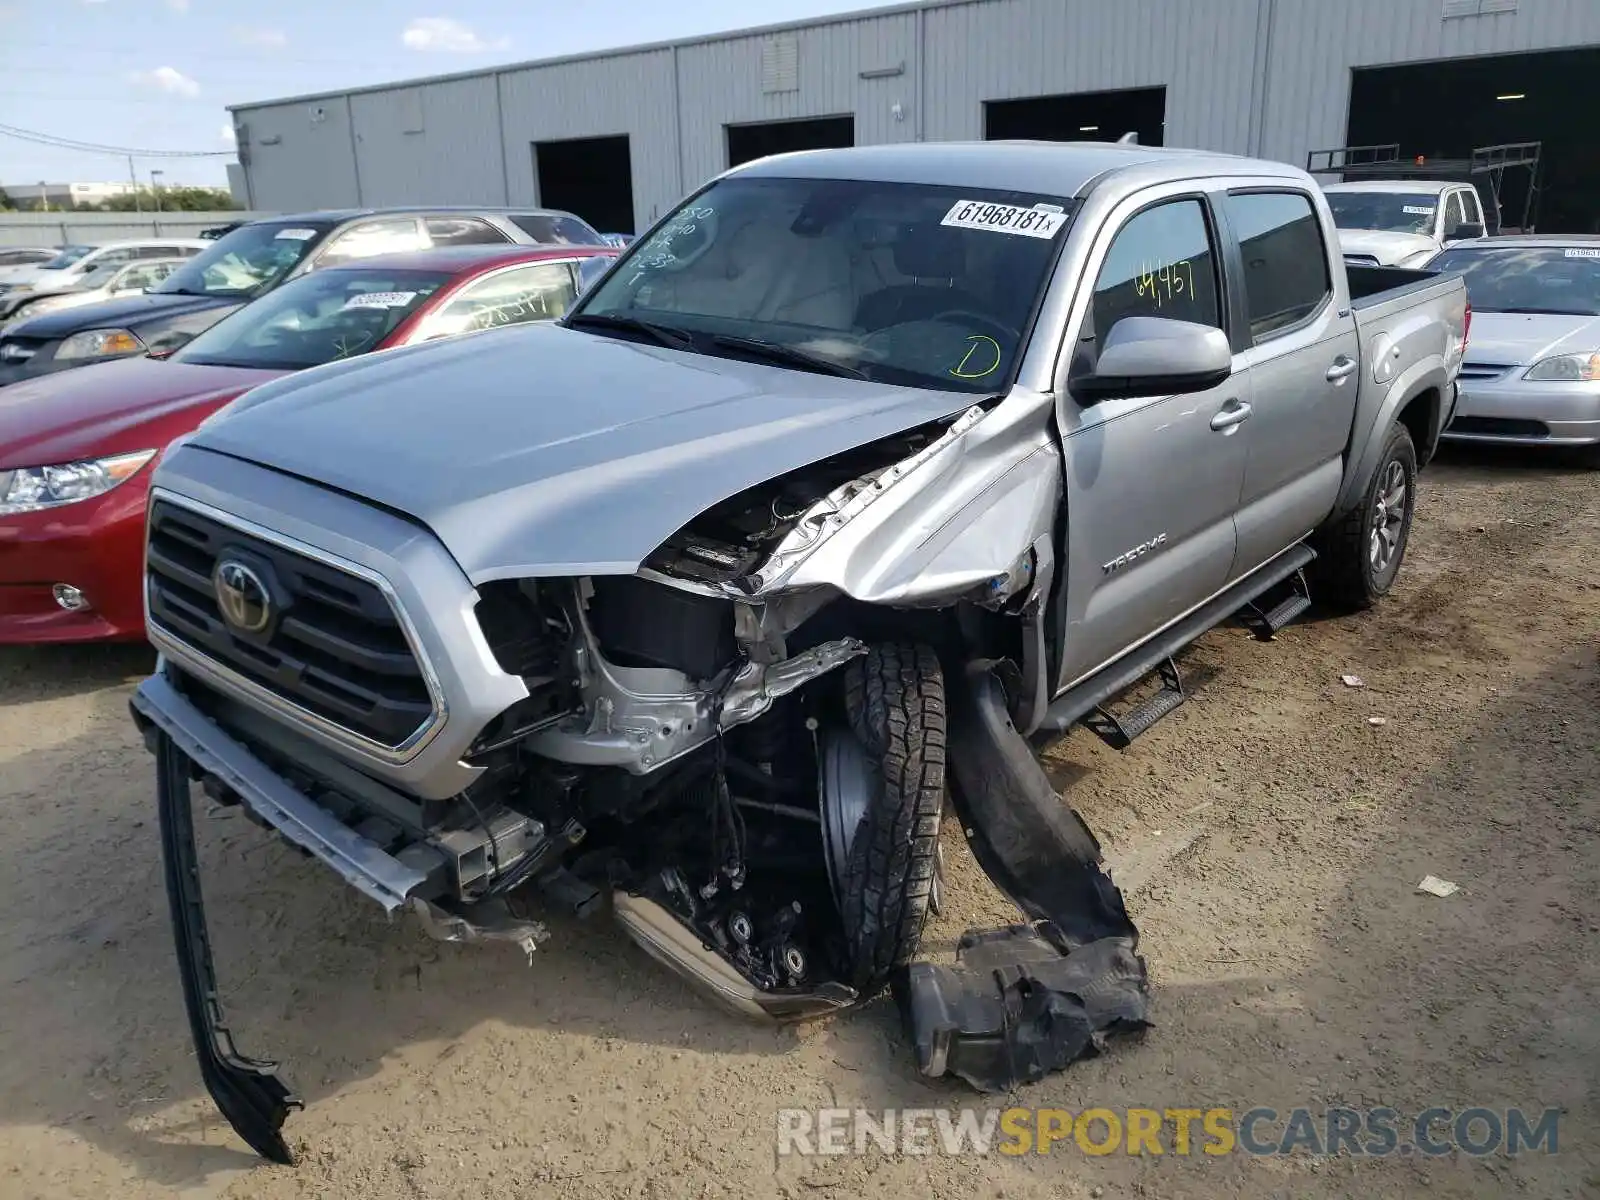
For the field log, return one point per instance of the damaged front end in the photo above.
(697, 746)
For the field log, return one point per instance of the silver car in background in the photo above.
(1532, 369)
(103, 283)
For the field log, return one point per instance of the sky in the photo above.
(159, 74)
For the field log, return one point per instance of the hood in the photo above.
(541, 450)
(129, 312)
(111, 408)
(1522, 339)
(1390, 249)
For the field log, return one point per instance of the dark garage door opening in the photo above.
(592, 177)
(1080, 117)
(746, 142)
(1446, 109)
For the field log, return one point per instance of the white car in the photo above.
(1532, 370)
(103, 283)
(65, 272)
(1403, 222)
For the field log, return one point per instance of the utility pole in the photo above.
(155, 187)
(133, 178)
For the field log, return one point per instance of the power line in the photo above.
(61, 143)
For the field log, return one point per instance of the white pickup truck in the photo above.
(1403, 222)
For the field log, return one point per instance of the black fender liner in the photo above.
(246, 1090)
(1026, 1000)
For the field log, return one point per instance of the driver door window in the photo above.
(1453, 214)
(536, 292)
(392, 235)
(1152, 485)
(1161, 265)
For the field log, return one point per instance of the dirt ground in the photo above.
(1270, 838)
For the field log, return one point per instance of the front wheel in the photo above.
(1359, 554)
(883, 783)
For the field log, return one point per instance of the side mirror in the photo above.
(1466, 231)
(1156, 356)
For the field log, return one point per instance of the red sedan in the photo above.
(76, 448)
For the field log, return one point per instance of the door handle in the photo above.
(1343, 367)
(1228, 418)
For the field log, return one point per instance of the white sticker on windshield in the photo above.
(1417, 210)
(1040, 221)
(381, 300)
(1585, 252)
(295, 235)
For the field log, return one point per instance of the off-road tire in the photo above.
(895, 704)
(1344, 575)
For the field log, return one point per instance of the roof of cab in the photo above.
(462, 260)
(1047, 168)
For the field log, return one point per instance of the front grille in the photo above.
(17, 350)
(1475, 370)
(1500, 427)
(334, 646)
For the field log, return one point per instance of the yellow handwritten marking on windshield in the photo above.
(1166, 282)
(983, 346)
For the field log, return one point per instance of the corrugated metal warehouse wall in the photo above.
(1313, 45)
(1270, 77)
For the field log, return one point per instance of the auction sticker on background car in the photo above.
(1040, 221)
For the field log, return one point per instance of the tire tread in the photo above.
(895, 704)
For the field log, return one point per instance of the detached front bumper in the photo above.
(1509, 410)
(158, 706)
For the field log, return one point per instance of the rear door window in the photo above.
(556, 229)
(1286, 276)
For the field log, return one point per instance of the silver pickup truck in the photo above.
(857, 474)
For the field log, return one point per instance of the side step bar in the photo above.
(1288, 602)
(1119, 732)
(247, 1090)
(1078, 702)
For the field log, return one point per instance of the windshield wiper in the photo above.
(788, 355)
(664, 335)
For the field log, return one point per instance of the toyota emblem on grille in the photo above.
(242, 596)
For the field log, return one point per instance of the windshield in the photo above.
(1390, 212)
(249, 259)
(315, 319)
(895, 282)
(68, 256)
(1539, 279)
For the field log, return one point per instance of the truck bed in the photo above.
(1371, 286)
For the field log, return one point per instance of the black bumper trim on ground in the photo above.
(1023, 1001)
(247, 1091)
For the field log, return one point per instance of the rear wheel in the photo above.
(1359, 554)
(883, 783)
